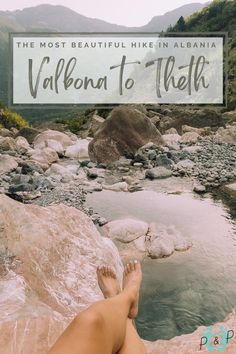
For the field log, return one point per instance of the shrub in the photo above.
(9, 119)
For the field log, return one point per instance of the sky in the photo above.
(122, 12)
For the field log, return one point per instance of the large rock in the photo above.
(41, 140)
(45, 157)
(68, 171)
(78, 150)
(125, 230)
(122, 134)
(190, 137)
(172, 141)
(158, 173)
(135, 238)
(7, 144)
(6, 133)
(163, 240)
(47, 272)
(22, 145)
(227, 135)
(7, 164)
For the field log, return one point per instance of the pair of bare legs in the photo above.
(106, 327)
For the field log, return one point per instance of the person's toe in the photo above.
(132, 265)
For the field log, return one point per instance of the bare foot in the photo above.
(132, 279)
(107, 282)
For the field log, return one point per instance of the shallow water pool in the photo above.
(187, 289)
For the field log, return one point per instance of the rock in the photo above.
(30, 166)
(56, 146)
(138, 164)
(125, 230)
(7, 164)
(185, 165)
(45, 157)
(117, 187)
(28, 133)
(68, 171)
(199, 189)
(22, 145)
(102, 221)
(40, 140)
(164, 240)
(172, 141)
(188, 129)
(122, 134)
(171, 131)
(48, 272)
(92, 173)
(190, 138)
(227, 135)
(158, 173)
(95, 124)
(230, 189)
(23, 187)
(163, 160)
(7, 144)
(79, 150)
(6, 133)
(192, 149)
(229, 117)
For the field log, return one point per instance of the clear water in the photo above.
(188, 289)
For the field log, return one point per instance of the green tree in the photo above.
(180, 26)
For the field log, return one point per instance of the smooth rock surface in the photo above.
(7, 164)
(47, 272)
(40, 140)
(78, 150)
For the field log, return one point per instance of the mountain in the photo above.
(161, 23)
(58, 18)
(62, 19)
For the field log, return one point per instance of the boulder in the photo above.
(188, 129)
(40, 140)
(171, 141)
(171, 131)
(68, 171)
(190, 137)
(48, 266)
(95, 124)
(164, 240)
(6, 133)
(56, 146)
(227, 135)
(158, 173)
(125, 230)
(78, 150)
(230, 190)
(28, 133)
(22, 145)
(122, 134)
(229, 117)
(7, 144)
(45, 157)
(7, 164)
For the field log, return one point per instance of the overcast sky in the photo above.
(122, 12)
